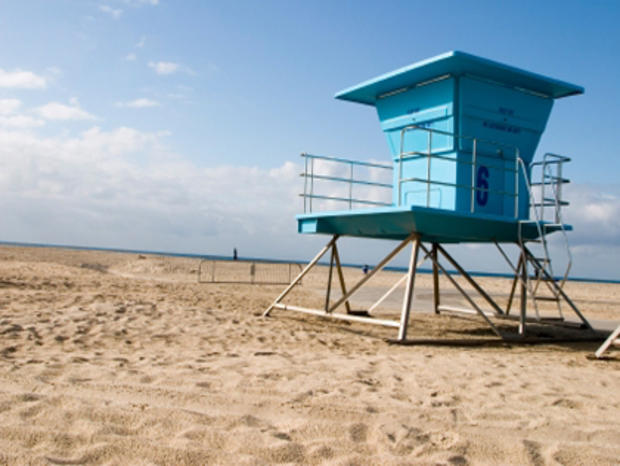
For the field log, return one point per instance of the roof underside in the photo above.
(456, 64)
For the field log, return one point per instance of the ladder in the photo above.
(541, 282)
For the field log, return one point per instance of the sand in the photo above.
(109, 358)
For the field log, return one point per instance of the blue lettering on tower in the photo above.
(482, 185)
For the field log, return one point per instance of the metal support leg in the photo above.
(404, 316)
(396, 285)
(611, 339)
(370, 274)
(463, 292)
(524, 278)
(514, 284)
(471, 281)
(436, 300)
(343, 287)
(329, 280)
(310, 265)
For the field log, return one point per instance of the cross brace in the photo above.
(434, 253)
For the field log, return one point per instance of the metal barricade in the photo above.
(247, 272)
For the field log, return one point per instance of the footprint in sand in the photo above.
(358, 432)
(533, 452)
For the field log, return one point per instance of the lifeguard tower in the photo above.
(462, 132)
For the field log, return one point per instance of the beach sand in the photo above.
(114, 358)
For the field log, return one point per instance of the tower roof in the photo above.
(457, 63)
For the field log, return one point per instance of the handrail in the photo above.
(346, 180)
(310, 176)
(520, 170)
(346, 199)
(460, 136)
(343, 160)
(473, 187)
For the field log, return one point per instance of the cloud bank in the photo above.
(124, 188)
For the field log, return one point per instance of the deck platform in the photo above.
(432, 225)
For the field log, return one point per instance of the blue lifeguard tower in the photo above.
(462, 132)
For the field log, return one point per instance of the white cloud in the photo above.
(595, 214)
(164, 67)
(141, 2)
(130, 57)
(9, 106)
(139, 103)
(58, 111)
(20, 79)
(114, 12)
(20, 121)
(141, 42)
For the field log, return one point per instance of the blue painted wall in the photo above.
(469, 107)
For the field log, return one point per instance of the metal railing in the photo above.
(310, 176)
(551, 174)
(475, 185)
(550, 177)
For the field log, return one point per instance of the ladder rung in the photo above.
(553, 181)
(556, 179)
(559, 201)
(542, 259)
(549, 203)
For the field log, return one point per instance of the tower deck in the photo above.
(432, 225)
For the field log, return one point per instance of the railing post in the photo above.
(351, 186)
(473, 176)
(311, 182)
(305, 156)
(517, 185)
(543, 181)
(428, 168)
(558, 191)
(400, 165)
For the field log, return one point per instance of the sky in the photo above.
(177, 125)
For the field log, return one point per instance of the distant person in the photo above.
(235, 254)
(365, 269)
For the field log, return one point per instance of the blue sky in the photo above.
(177, 125)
